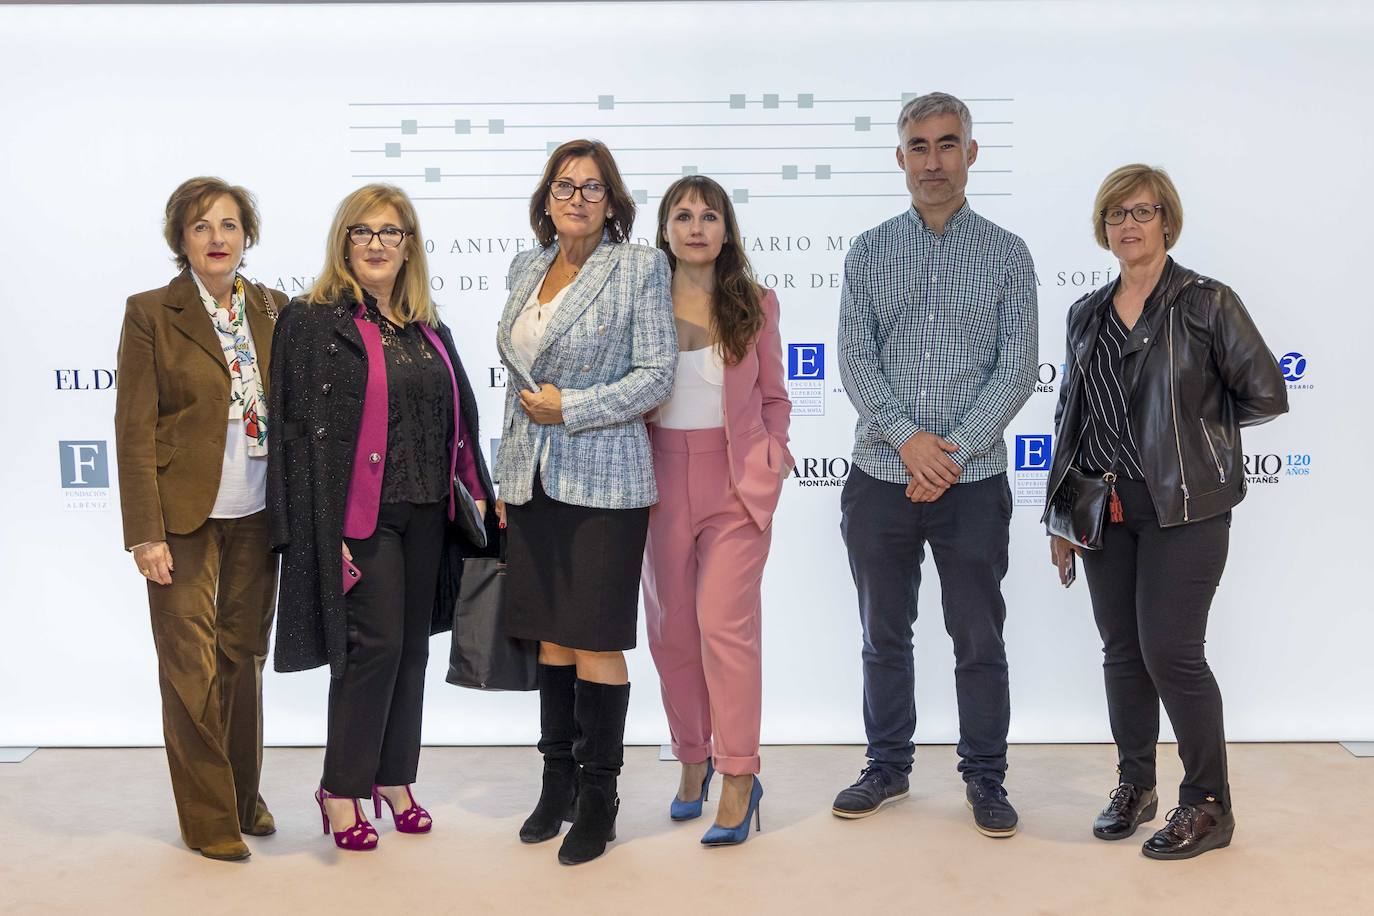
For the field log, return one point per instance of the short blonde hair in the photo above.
(1125, 181)
(190, 201)
(410, 297)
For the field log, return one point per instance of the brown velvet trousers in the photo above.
(211, 627)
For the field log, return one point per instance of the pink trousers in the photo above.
(703, 567)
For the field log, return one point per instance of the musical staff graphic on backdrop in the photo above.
(760, 146)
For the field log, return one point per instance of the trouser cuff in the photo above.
(737, 766)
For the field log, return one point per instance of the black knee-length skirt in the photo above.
(572, 573)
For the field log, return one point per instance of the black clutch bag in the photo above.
(1078, 512)
(467, 517)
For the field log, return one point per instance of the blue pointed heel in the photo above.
(688, 810)
(733, 836)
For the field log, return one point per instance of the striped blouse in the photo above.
(1105, 421)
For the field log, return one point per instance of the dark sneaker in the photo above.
(1130, 806)
(1191, 831)
(875, 787)
(993, 815)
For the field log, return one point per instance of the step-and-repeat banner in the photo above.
(1260, 113)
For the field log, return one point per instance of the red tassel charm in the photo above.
(1115, 511)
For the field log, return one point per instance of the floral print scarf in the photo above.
(247, 400)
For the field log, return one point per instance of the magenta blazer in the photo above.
(757, 416)
(369, 454)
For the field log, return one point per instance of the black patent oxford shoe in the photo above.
(1130, 806)
(1191, 831)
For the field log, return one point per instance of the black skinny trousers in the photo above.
(376, 705)
(1151, 589)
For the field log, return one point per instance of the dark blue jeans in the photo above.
(886, 534)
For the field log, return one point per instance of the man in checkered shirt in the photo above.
(938, 352)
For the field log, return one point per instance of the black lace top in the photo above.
(419, 414)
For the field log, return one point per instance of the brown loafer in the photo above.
(264, 824)
(230, 851)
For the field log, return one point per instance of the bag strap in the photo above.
(267, 302)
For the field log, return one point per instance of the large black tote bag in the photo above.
(482, 656)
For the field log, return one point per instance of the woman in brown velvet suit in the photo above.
(191, 437)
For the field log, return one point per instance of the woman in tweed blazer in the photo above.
(589, 345)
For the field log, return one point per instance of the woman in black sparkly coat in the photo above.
(377, 421)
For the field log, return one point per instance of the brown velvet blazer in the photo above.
(172, 405)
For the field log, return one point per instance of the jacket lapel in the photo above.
(1093, 324)
(525, 284)
(583, 290)
(739, 380)
(189, 317)
(345, 327)
(1142, 336)
(260, 325)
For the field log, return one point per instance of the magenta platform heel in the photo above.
(361, 837)
(408, 821)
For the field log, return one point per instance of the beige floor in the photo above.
(92, 831)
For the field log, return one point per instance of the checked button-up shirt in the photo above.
(937, 333)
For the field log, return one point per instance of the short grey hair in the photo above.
(932, 104)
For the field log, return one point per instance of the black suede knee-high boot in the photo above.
(557, 731)
(600, 751)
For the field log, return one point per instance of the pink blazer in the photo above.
(369, 451)
(757, 416)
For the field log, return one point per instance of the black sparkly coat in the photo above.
(319, 375)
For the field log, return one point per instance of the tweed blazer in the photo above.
(611, 349)
(171, 405)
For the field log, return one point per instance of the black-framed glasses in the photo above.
(390, 236)
(1115, 216)
(563, 189)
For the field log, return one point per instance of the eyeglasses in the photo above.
(592, 192)
(1115, 216)
(391, 237)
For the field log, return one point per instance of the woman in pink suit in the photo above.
(720, 458)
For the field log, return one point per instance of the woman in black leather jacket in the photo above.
(1164, 368)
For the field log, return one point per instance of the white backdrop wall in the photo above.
(1260, 112)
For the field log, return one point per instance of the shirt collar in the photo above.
(955, 220)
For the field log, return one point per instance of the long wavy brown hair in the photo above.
(736, 315)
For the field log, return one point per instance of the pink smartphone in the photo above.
(351, 575)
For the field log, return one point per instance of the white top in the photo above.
(531, 323)
(242, 478)
(696, 402)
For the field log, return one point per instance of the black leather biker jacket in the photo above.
(1195, 370)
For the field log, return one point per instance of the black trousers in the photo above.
(968, 530)
(376, 705)
(1151, 590)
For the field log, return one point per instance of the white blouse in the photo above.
(696, 402)
(242, 478)
(531, 323)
